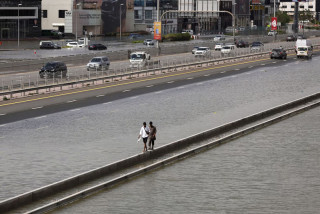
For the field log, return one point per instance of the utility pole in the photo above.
(296, 17)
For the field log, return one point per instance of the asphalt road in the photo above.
(39, 105)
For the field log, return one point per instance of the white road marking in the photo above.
(126, 90)
(237, 69)
(102, 95)
(199, 83)
(181, 87)
(149, 86)
(37, 118)
(2, 114)
(34, 108)
(71, 101)
(250, 67)
(274, 62)
(222, 72)
(263, 64)
(158, 92)
(285, 60)
(107, 103)
(77, 109)
(2, 125)
(190, 78)
(170, 82)
(134, 97)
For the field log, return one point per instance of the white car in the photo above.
(98, 63)
(203, 52)
(218, 46)
(227, 49)
(148, 42)
(75, 45)
(218, 38)
(195, 48)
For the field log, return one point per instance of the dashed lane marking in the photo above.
(170, 82)
(107, 103)
(2, 125)
(126, 90)
(149, 86)
(71, 101)
(101, 95)
(158, 92)
(39, 107)
(77, 109)
(206, 75)
(134, 97)
(190, 78)
(250, 67)
(263, 64)
(181, 87)
(37, 118)
(237, 69)
(2, 114)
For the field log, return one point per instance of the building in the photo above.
(20, 16)
(309, 5)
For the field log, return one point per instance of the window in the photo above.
(137, 14)
(62, 13)
(44, 14)
(148, 14)
(310, 6)
(284, 6)
(301, 6)
(292, 6)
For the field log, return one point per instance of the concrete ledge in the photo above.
(69, 183)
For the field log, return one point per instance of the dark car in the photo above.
(242, 44)
(49, 45)
(278, 54)
(97, 47)
(291, 38)
(53, 69)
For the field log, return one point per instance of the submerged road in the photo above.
(51, 145)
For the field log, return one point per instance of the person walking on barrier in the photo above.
(144, 133)
(152, 135)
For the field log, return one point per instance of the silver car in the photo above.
(98, 63)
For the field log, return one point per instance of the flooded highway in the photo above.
(39, 151)
(274, 170)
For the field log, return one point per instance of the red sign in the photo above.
(274, 23)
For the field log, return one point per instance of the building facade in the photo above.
(25, 12)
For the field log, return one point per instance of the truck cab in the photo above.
(139, 59)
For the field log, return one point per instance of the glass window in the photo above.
(148, 14)
(137, 14)
(62, 13)
(44, 14)
(139, 3)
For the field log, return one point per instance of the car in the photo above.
(272, 33)
(278, 53)
(229, 29)
(97, 47)
(218, 38)
(301, 37)
(53, 69)
(75, 45)
(49, 45)
(148, 42)
(133, 36)
(291, 38)
(242, 44)
(98, 63)
(242, 28)
(56, 33)
(203, 52)
(188, 31)
(256, 46)
(226, 49)
(194, 49)
(218, 46)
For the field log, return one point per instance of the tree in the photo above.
(283, 17)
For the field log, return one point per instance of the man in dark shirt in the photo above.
(152, 135)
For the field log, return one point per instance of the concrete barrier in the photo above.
(69, 183)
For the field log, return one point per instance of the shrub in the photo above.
(177, 37)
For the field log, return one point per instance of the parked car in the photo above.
(98, 63)
(53, 69)
(49, 45)
(242, 44)
(218, 38)
(194, 49)
(97, 47)
(242, 28)
(229, 29)
(278, 53)
(218, 46)
(75, 45)
(291, 38)
(148, 42)
(203, 52)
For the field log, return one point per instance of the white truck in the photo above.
(139, 59)
(304, 48)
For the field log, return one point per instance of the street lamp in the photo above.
(77, 16)
(120, 20)
(234, 20)
(95, 26)
(19, 25)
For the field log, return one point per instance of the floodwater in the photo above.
(274, 170)
(39, 151)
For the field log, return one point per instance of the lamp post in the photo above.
(120, 20)
(77, 16)
(234, 21)
(158, 14)
(95, 26)
(19, 25)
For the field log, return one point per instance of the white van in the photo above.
(188, 31)
(304, 48)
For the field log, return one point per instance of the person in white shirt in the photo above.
(144, 134)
